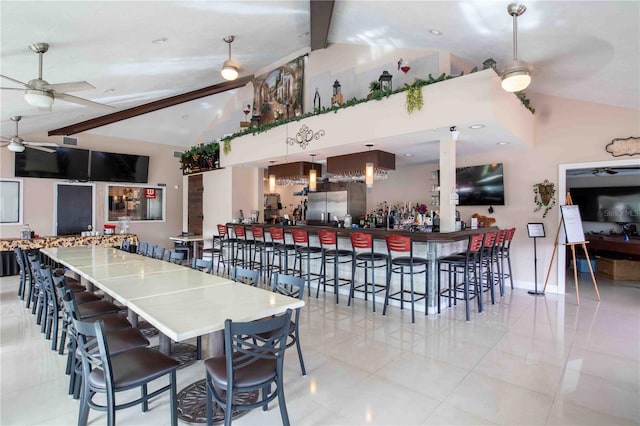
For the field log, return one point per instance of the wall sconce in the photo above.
(385, 81)
(313, 175)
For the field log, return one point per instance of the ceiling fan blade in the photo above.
(41, 148)
(12, 88)
(40, 143)
(4, 144)
(80, 101)
(7, 139)
(74, 86)
(14, 80)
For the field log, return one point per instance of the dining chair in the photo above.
(158, 252)
(176, 257)
(253, 361)
(245, 276)
(202, 265)
(142, 248)
(103, 373)
(293, 287)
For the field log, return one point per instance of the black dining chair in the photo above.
(202, 265)
(293, 287)
(253, 361)
(103, 373)
(245, 276)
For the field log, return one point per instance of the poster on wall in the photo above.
(278, 94)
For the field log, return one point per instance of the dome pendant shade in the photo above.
(38, 98)
(230, 68)
(516, 76)
(15, 147)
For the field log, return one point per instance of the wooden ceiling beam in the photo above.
(125, 114)
(320, 15)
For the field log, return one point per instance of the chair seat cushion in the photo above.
(134, 367)
(406, 261)
(340, 252)
(111, 321)
(371, 256)
(306, 250)
(99, 307)
(254, 374)
(85, 297)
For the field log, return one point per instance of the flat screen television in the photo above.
(480, 185)
(64, 163)
(114, 167)
(620, 204)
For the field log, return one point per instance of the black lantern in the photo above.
(385, 81)
(489, 63)
(255, 120)
(337, 89)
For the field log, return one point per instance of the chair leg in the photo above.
(143, 396)
(83, 415)
(282, 403)
(304, 370)
(174, 399)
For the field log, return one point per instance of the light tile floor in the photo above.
(526, 360)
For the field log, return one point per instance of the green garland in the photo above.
(374, 96)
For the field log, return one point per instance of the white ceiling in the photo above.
(583, 50)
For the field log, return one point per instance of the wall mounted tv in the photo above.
(619, 204)
(113, 167)
(480, 185)
(64, 163)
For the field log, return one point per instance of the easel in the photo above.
(572, 244)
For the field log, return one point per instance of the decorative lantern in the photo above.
(337, 97)
(489, 63)
(255, 120)
(385, 81)
(316, 101)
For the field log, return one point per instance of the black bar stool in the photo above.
(228, 243)
(369, 260)
(280, 249)
(332, 254)
(305, 251)
(405, 263)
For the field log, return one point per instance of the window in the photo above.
(137, 203)
(11, 201)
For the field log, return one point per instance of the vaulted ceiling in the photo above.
(138, 52)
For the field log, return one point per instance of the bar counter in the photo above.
(429, 245)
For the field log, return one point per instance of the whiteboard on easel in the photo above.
(572, 224)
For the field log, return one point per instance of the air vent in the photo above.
(66, 140)
(177, 154)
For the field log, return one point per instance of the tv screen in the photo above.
(608, 204)
(64, 163)
(480, 185)
(113, 167)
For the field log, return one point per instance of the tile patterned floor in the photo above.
(526, 360)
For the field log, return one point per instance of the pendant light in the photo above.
(313, 175)
(516, 76)
(272, 180)
(368, 171)
(230, 68)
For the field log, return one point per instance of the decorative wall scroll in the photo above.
(545, 196)
(627, 146)
(278, 93)
(304, 136)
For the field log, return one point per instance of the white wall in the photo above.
(163, 168)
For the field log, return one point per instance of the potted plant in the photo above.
(374, 89)
(200, 158)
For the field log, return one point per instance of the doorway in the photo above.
(195, 214)
(73, 208)
(562, 190)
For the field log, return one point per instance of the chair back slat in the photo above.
(361, 240)
(500, 237)
(398, 243)
(510, 233)
(475, 243)
(327, 238)
(489, 239)
(300, 236)
(257, 232)
(239, 231)
(277, 234)
(222, 230)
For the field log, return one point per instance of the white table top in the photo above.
(188, 238)
(182, 303)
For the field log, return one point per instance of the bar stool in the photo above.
(214, 251)
(280, 249)
(369, 260)
(332, 254)
(226, 242)
(262, 249)
(495, 258)
(469, 266)
(405, 259)
(243, 245)
(487, 271)
(503, 254)
(303, 250)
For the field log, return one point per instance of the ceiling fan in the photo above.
(17, 144)
(40, 93)
(516, 76)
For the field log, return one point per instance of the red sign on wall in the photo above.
(149, 193)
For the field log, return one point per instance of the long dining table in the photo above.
(182, 303)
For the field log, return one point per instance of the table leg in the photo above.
(88, 284)
(195, 250)
(133, 318)
(164, 344)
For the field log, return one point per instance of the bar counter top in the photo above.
(379, 233)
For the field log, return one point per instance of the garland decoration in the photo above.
(414, 100)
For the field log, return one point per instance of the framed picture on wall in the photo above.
(278, 94)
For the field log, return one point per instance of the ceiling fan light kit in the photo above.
(516, 76)
(15, 147)
(38, 98)
(230, 68)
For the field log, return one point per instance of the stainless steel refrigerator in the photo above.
(336, 200)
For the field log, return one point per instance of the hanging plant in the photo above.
(545, 196)
(226, 147)
(414, 100)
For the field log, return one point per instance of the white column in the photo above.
(448, 185)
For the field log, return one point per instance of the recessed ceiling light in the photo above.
(476, 126)
(186, 116)
(160, 40)
(436, 32)
(109, 90)
(408, 155)
(503, 143)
